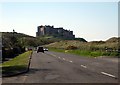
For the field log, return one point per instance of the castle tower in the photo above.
(40, 31)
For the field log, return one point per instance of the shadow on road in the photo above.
(12, 70)
(34, 70)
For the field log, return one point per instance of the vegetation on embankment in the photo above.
(10, 39)
(86, 53)
(14, 39)
(109, 47)
(14, 43)
(16, 65)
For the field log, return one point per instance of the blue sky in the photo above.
(89, 20)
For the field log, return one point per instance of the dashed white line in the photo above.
(71, 61)
(63, 58)
(107, 74)
(83, 66)
(104, 73)
(52, 54)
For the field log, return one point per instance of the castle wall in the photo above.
(57, 32)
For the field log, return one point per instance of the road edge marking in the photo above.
(107, 74)
(83, 66)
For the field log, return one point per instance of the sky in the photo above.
(92, 21)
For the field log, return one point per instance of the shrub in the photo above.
(95, 53)
(115, 54)
(70, 47)
(106, 54)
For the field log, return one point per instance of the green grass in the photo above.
(17, 64)
(92, 46)
(76, 52)
(81, 53)
(86, 53)
(56, 50)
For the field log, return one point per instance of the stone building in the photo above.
(56, 32)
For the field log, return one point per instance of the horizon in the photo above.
(93, 21)
(75, 37)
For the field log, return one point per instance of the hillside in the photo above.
(19, 39)
(94, 45)
(91, 49)
(10, 39)
(113, 39)
(78, 46)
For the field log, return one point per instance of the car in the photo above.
(45, 49)
(40, 49)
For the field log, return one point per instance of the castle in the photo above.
(56, 32)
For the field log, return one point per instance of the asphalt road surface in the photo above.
(54, 67)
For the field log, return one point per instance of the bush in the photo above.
(95, 53)
(70, 47)
(115, 54)
(16, 50)
(11, 52)
(7, 53)
(106, 54)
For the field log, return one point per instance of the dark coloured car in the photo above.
(40, 49)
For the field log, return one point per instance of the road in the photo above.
(54, 67)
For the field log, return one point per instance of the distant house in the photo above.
(56, 32)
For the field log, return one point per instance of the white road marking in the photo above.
(71, 61)
(63, 58)
(51, 54)
(83, 66)
(107, 74)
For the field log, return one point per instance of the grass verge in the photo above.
(16, 65)
(86, 53)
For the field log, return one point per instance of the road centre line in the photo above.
(107, 74)
(104, 73)
(51, 54)
(83, 66)
(63, 58)
(71, 61)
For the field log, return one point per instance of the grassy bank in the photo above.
(109, 47)
(17, 64)
(86, 53)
